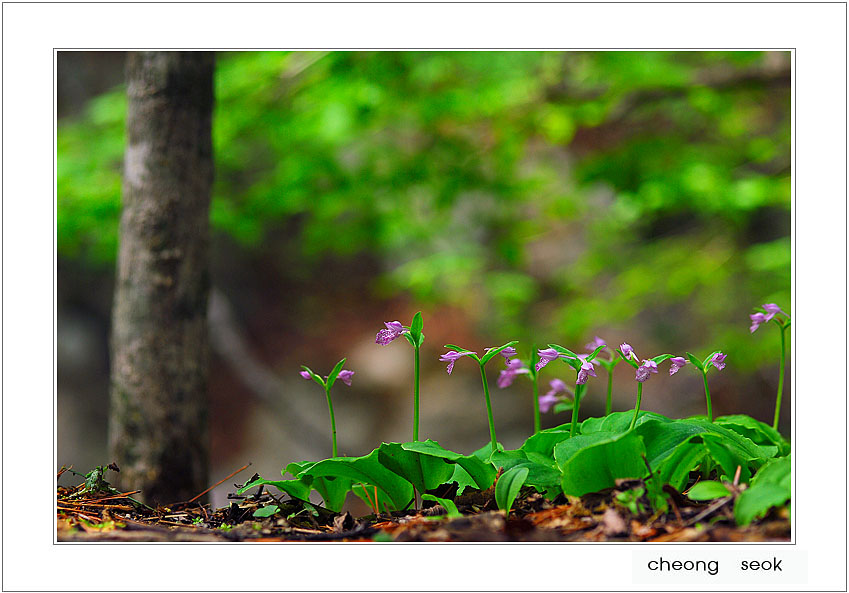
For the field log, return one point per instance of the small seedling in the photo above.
(326, 383)
(415, 337)
(770, 312)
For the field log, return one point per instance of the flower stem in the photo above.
(535, 380)
(707, 397)
(332, 418)
(780, 382)
(489, 411)
(607, 405)
(637, 407)
(576, 402)
(416, 401)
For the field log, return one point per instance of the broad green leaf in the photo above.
(297, 467)
(707, 490)
(758, 432)
(561, 407)
(463, 479)
(485, 452)
(542, 473)
(770, 487)
(675, 469)
(618, 421)
(493, 351)
(331, 378)
(315, 377)
(695, 361)
(266, 511)
(480, 471)
(593, 462)
(753, 452)
(333, 491)
(294, 488)
(508, 486)
(423, 471)
(662, 438)
(544, 442)
(728, 457)
(417, 325)
(368, 470)
(367, 495)
(446, 503)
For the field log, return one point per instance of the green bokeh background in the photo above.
(537, 196)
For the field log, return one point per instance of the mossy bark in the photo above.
(159, 350)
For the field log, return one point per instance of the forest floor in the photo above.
(105, 515)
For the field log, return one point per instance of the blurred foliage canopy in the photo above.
(559, 192)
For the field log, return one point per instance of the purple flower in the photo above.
(645, 370)
(508, 353)
(514, 367)
(718, 360)
(595, 344)
(677, 364)
(546, 356)
(305, 375)
(757, 319)
(392, 331)
(628, 352)
(772, 310)
(452, 357)
(345, 377)
(586, 371)
(550, 398)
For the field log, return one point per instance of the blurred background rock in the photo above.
(539, 196)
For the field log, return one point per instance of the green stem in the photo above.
(489, 411)
(332, 418)
(780, 382)
(579, 392)
(607, 405)
(707, 397)
(637, 407)
(416, 401)
(535, 380)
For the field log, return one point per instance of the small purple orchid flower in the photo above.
(514, 368)
(678, 363)
(508, 353)
(392, 331)
(772, 310)
(451, 357)
(645, 370)
(305, 375)
(626, 349)
(345, 377)
(757, 319)
(546, 356)
(718, 360)
(587, 370)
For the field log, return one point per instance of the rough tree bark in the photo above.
(158, 407)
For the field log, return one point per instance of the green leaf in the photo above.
(368, 470)
(626, 359)
(728, 457)
(423, 471)
(420, 340)
(416, 326)
(446, 503)
(695, 361)
(508, 487)
(331, 378)
(675, 469)
(662, 438)
(572, 360)
(333, 490)
(619, 421)
(661, 358)
(294, 488)
(315, 377)
(532, 363)
(593, 462)
(480, 471)
(758, 432)
(493, 351)
(544, 442)
(542, 471)
(561, 407)
(266, 511)
(367, 495)
(563, 350)
(456, 348)
(707, 490)
(770, 487)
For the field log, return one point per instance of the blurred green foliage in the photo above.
(547, 193)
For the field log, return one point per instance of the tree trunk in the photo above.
(158, 416)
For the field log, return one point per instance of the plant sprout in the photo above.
(583, 365)
(327, 383)
(456, 352)
(770, 312)
(717, 359)
(644, 370)
(415, 337)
